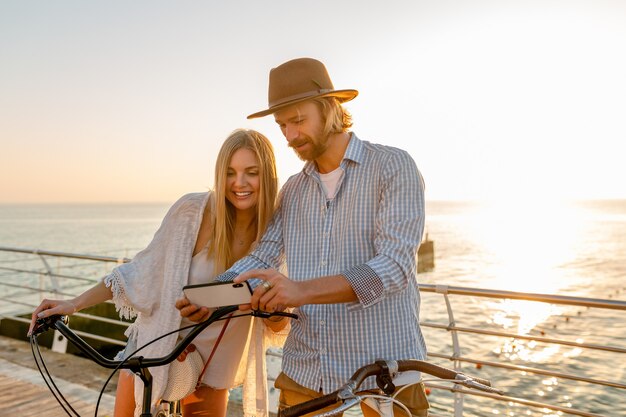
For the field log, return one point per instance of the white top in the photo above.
(224, 370)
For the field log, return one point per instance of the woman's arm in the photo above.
(95, 295)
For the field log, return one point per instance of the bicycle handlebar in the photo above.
(346, 393)
(135, 363)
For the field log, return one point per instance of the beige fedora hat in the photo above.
(299, 80)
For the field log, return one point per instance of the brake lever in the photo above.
(44, 324)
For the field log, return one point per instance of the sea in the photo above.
(575, 248)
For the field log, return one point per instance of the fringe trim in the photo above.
(122, 305)
(132, 332)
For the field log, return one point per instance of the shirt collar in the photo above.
(354, 152)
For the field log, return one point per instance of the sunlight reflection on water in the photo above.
(551, 248)
(526, 314)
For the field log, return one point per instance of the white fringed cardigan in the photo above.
(147, 288)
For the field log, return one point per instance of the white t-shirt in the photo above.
(330, 182)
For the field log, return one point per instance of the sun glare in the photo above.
(526, 245)
(526, 242)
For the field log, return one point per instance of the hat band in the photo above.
(311, 93)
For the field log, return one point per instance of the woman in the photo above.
(201, 236)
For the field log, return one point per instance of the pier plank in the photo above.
(27, 399)
(24, 393)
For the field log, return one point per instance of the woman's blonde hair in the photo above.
(223, 212)
(335, 117)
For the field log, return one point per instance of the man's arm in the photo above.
(280, 292)
(399, 229)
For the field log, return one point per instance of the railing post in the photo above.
(456, 348)
(59, 343)
(41, 287)
(53, 280)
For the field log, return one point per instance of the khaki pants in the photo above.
(292, 393)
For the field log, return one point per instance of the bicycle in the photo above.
(136, 364)
(347, 396)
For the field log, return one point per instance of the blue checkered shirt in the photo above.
(369, 233)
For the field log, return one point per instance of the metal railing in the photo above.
(49, 281)
(63, 284)
(457, 358)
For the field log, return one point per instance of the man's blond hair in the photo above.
(335, 117)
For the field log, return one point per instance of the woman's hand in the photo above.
(191, 311)
(99, 293)
(190, 348)
(49, 308)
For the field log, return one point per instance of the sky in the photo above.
(129, 101)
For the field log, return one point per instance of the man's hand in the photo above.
(192, 311)
(275, 293)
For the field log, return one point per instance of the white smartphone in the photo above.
(218, 294)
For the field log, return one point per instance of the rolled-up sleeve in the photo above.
(399, 229)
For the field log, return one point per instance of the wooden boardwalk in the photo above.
(24, 393)
(25, 398)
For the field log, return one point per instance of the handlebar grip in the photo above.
(44, 324)
(480, 380)
(438, 371)
(309, 406)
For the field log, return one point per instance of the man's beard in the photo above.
(318, 146)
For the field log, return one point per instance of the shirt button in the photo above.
(323, 351)
(323, 263)
(322, 322)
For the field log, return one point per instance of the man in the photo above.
(348, 226)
